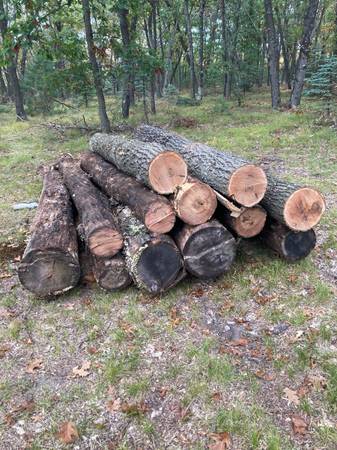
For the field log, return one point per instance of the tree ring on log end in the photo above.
(303, 209)
(247, 185)
(114, 276)
(160, 218)
(158, 266)
(298, 245)
(167, 171)
(251, 221)
(49, 272)
(105, 242)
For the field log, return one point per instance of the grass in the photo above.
(191, 380)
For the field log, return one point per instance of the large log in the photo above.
(208, 249)
(152, 209)
(249, 222)
(101, 233)
(154, 262)
(50, 263)
(227, 173)
(290, 245)
(160, 170)
(300, 208)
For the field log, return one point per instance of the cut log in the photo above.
(100, 230)
(50, 264)
(227, 173)
(194, 202)
(153, 210)
(154, 262)
(247, 224)
(208, 249)
(290, 245)
(300, 208)
(158, 169)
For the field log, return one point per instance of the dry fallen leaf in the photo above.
(292, 396)
(82, 371)
(11, 417)
(3, 350)
(114, 405)
(222, 441)
(239, 342)
(264, 376)
(299, 425)
(34, 365)
(68, 432)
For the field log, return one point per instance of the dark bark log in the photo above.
(100, 230)
(154, 262)
(208, 249)
(301, 64)
(273, 55)
(190, 48)
(290, 245)
(162, 171)
(50, 263)
(227, 173)
(152, 209)
(300, 208)
(248, 223)
(104, 120)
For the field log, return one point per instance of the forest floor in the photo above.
(245, 362)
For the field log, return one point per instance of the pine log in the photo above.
(300, 208)
(229, 174)
(154, 262)
(50, 264)
(247, 224)
(153, 210)
(149, 163)
(194, 202)
(208, 249)
(290, 245)
(101, 233)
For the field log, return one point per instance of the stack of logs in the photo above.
(150, 209)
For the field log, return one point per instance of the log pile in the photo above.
(156, 208)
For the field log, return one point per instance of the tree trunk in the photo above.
(202, 6)
(190, 47)
(3, 89)
(127, 77)
(224, 48)
(230, 175)
(152, 209)
(50, 263)
(104, 120)
(101, 233)
(290, 245)
(300, 208)
(273, 55)
(284, 45)
(154, 262)
(162, 171)
(301, 64)
(208, 249)
(248, 223)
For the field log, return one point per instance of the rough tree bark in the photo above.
(127, 77)
(190, 48)
(230, 175)
(50, 264)
(273, 55)
(302, 60)
(247, 223)
(104, 120)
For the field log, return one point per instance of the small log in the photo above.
(229, 174)
(149, 163)
(208, 249)
(153, 210)
(290, 245)
(300, 208)
(194, 202)
(154, 262)
(100, 230)
(248, 224)
(50, 264)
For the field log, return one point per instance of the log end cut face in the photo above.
(105, 242)
(49, 272)
(195, 203)
(298, 245)
(160, 218)
(304, 209)
(159, 266)
(251, 221)
(167, 171)
(114, 276)
(209, 252)
(247, 185)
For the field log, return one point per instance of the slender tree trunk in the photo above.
(3, 89)
(104, 120)
(335, 31)
(301, 64)
(201, 47)
(285, 50)
(125, 32)
(190, 47)
(273, 55)
(224, 48)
